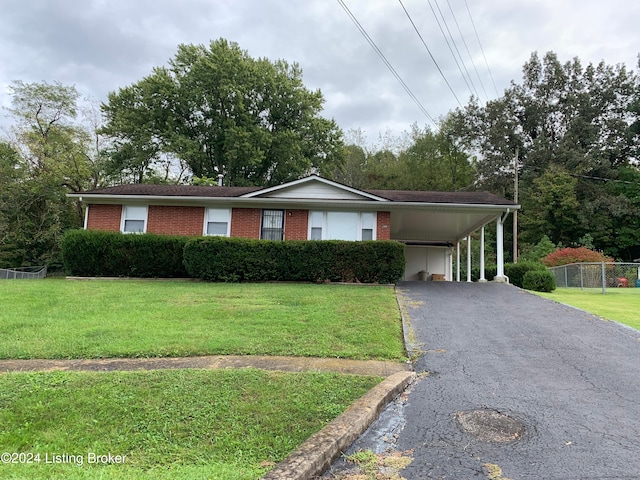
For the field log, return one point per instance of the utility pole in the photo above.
(515, 212)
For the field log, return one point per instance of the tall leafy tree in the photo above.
(562, 117)
(221, 111)
(49, 155)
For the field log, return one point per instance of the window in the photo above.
(368, 220)
(272, 225)
(342, 226)
(217, 221)
(134, 219)
(316, 220)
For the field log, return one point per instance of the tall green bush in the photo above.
(112, 254)
(517, 271)
(539, 281)
(222, 259)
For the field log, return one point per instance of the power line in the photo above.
(386, 62)
(482, 49)
(467, 48)
(429, 51)
(472, 89)
(449, 45)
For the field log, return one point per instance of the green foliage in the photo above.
(552, 207)
(221, 111)
(573, 126)
(110, 254)
(51, 154)
(517, 271)
(565, 256)
(539, 281)
(541, 249)
(237, 260)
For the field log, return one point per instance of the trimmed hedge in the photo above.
(223, 259)
(110, 254)
(517, 271)
(539, 281)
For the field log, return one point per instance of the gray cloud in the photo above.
(102, 45)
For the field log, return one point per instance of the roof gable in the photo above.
(314, 188)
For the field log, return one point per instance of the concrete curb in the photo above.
(315, 455)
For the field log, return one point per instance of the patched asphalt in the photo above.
(518, 387)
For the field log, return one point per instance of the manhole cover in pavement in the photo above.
(491, 425)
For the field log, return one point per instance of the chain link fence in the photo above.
(597, 275)
(23, 272)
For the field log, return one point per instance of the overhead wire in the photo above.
(448, 44)
(467, 48)
(429, 52)
(386, 62)
(472, 88)
(481, 49)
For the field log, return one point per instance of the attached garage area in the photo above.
(427, 262)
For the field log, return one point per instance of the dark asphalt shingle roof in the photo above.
(173, 190)
(464, 198)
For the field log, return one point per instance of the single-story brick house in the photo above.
(430, 224)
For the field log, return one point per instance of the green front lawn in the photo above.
(619, 304)
(176, 424)
(129, 318)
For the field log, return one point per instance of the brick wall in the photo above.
(104, 217)
(383, 226)
(296, 224)
(174, 220)
(245, 222)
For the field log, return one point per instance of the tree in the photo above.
(562, 117)
(49, 156)
(221, 111)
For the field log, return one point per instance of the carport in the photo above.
(433, 224)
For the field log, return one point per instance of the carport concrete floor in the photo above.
(517, 387)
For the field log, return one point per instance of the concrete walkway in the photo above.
(376, 368)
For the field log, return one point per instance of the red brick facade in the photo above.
(189, 221)
(383, 226)
(167, 220)
(245, 222)
(296, 224)
(104, 217)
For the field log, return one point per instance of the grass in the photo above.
(99, 319)
(618, 304)
(175, 424)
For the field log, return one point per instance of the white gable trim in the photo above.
(313, 178)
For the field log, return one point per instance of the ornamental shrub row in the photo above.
(92, 253)
(222, 259)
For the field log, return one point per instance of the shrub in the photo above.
(517, 271)
(237, 260)
(568, 255)
(539, 281)
(112, 254)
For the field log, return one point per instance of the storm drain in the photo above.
(490, 425)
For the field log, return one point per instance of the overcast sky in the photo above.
(102, 45)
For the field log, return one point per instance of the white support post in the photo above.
(500, 277)
(458, 262)
(469, 258)
(482, 278)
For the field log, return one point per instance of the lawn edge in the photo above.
(316, 454)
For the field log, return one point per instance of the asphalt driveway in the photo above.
(519, 387)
